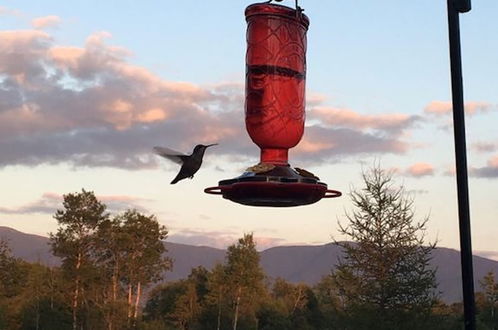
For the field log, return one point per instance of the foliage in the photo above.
(107, 262)
(245, 278)
(13, 277)
(384, 278)
(73, 243)
(382, 283)
(490, 304)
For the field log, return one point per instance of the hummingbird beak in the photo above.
(210, 145)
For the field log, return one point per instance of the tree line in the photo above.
(112, 271)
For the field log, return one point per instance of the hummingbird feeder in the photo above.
(274, 111)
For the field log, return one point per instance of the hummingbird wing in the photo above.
(170, 154)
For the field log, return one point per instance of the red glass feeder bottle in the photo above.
(274, 111)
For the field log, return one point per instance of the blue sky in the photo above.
(88, 87)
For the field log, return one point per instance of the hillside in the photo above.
(294, 263)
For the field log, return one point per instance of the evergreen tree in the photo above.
(384, 277)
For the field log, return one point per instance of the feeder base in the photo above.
(280, 187)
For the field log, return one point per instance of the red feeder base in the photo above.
(280, 187)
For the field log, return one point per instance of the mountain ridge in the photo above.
(296, 263)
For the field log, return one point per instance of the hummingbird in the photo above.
(190, 163)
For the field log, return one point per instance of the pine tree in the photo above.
(384, 277)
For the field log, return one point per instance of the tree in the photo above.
(328, 298)
(490, 288)
(12, 274)
(299, 304)
(110, 258)
(187, 307)
(13, 277)
(291, 295)
(142, 242)
(215, 301)
(384, 276)
(73, 242)
(245, 277)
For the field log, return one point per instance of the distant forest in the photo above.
(112, 268)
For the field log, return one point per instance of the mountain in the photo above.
(309, 263)
(294, 263)
(32, 248)
(35, 248)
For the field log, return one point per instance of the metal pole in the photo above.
(454, 8)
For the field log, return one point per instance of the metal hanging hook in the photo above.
(299, 10)
(296, 3)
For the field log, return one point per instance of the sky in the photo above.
(87, 88)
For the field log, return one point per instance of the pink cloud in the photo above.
(321, 144)
(263, 243)
(450, 171)
(198, 237)
(9, 12)
(219, 239)
(315, 99)
(89, 106)
(49, 202)
(45, 22)
(420, 169)
(488, 171)
(493, 162)
(311, 146)
(352, 119)
(445, 107)
(487, 254)
(485, 146)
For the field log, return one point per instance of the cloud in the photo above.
(450, 171)
(485, 146)
(216, 239)
(314, 99)
(219, 239)
(420, 170)
(50, 202)
(439, 108)
(89, 106)
(321, 144)
(488, 254)
(339, 117)
(204, 217)
(9, 12)
(263, 243)
(489, 171)
(45, 22)
(120, 203)
(418, 191)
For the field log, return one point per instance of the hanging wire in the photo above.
(299, 10)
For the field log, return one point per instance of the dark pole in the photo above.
(454, 8)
